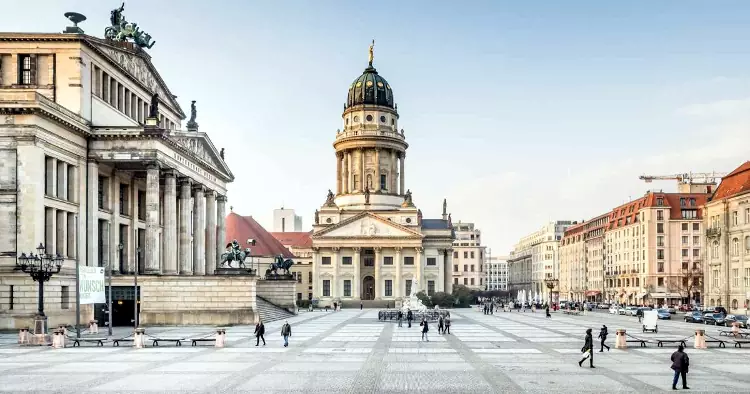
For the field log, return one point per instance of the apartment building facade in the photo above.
(468, 256)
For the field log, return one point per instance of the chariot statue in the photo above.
(234, 253)
(122, 30)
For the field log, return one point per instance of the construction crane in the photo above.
(689, 182)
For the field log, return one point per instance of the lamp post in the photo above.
(551, 283)
(41, 267)
(135, 284)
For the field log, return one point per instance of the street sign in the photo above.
(91, 285)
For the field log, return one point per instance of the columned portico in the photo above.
(153, 265)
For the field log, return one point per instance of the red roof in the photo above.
(677, 202)
(299, 239)
(628, 210)
(243, 228)
(737, 182)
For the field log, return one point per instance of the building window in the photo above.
(124, 193)
(388, 288)
(472, 268)
(326, 288)
(746, 278)
(325, 260)
(466, 268)
(388, 260)
(659, 215)
(684, 240)
(685, 253)
(735, 277)
(660, 282)
(696, 240)
(309, 277)
(660, 266)
(735, 247)
(408, 287)
(747, 215)
(299, 296)
(735, 218)
(64, 297)
(142, 207)
(715, 250)
(455, 267)
(472, 281)
(466, 281)
(299, 277)
(347, 288)
(430, 287)
(455, 281)
(660, 254)
(716, 278)
(346, 260)
(660, 201)
(383, 182)
(696, 252)
(472, 255)
(660, 228)
(455, 255)
(659, 241)
(466, 255)
(25, 66)
(408, 260)
(431, 261)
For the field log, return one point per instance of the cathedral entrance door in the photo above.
(368, 288)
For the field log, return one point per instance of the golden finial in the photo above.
(372, 48)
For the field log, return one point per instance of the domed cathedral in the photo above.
(370, 242)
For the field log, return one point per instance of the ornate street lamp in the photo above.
(551, 283)
(41, 267)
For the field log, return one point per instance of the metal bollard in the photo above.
(621, 341)
(220, 337)
(700, 339)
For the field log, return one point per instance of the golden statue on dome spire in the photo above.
(372, 50)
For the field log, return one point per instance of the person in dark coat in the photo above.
(260, 329)
(400, 316)
(603, 336)
(425, 328)
(639, 313)
(588, 350)
(409, 317)
(447, 322)
(680, 364)
(286, 332)
(546, 310)
(440, 324)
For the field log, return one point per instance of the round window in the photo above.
(359, 84)
(329, 220)
(369, 118)
(382, 119)
(408, 220)
(368, 84)
(380, 84)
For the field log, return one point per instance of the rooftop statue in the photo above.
(407, 199)
(329, 199)
(192, 124)
(372, 52)
(153, 108)
(122, 30)
(367, 195)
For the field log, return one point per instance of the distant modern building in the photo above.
(300, 244)
(496, 270)
(727, 239)
(286, 220)
(468, 256)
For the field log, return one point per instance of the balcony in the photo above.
(713, 232)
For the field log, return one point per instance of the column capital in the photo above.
(209, 192)
(221, 198)
(197, 187)
(169, 172)
(183, 180)
(154, 165)
(398, 249)
(419, 249)
(335, 249)
(91, 160)
(377, 249)
(316, 249)
(357, 249)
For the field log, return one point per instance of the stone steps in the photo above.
(269, 312)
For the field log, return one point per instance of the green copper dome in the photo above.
(370, 89)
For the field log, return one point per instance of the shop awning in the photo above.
(591, 293)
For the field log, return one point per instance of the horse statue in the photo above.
(279, 262)
(234, 253)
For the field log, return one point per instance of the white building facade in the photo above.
(369, 239)
(286, 220)
(496, 269)
(468, 256)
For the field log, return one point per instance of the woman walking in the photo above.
(588, 350)
(440, 324)
(260, 329)
(424, 329)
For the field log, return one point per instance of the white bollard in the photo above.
(138, 341)
(23, 336)
(57, 340)
(620, 340)
(93, 327)
(220, 337)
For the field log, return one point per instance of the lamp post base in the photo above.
(40, 329)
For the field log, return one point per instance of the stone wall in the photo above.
(19, 296)
(278, 292)
(205, 300)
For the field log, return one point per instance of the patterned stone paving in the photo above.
(351, 352)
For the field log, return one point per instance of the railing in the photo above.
(713, 232)
(369, 132)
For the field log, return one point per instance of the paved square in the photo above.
(351, 352)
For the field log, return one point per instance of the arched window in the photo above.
(713, 302)
(735, 304)
(735, 247)
(747, 244)
(715, 250)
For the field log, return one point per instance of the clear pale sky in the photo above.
(517, 113)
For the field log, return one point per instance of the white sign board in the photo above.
(91, 285)
(650, 319)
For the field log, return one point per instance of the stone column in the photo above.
(210, 232)
(379, 288)
(401, 176)
(420, 269)
(170, 224)
(315, 261)
(377, 170)
(448, 272)
(339, 165)
(349, 169)
(92, 209)
(335, 282)
(199, 230)
(221, 228)
(394, 176)
(362, 180)
(357, 287)
(398, 292)
(186, 258)
(114, 233)
(440, 265)
(152, 265)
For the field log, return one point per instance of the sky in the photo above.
(518, 113)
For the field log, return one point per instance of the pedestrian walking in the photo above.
(680, 364)
(409, 317)
(588, 350)
(440, 324)
(639, 313)
(260, 329)
(546, 311)
(447, 323)
(286, 332)
(603, 336)
(424, 329)
(335, 306)
(400, 319)
(360, 306)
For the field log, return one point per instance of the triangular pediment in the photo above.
(367, 225)
(138, 66)
(201, 147)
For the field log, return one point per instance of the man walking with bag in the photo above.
(588, 350)
(286, 332)
(680, 364)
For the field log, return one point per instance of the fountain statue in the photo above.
(413, 303)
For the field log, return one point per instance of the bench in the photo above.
(98, 341)
(719, 341)
(116, 342)
(635, 340)
(177, 342)
(194, 342)
(740, 343)
(740, 334)
(661, 342)
(567, 312)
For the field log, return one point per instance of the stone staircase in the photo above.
(269, 312)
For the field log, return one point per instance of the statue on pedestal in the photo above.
(367, 196)
(329, 199)
(153, 108)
